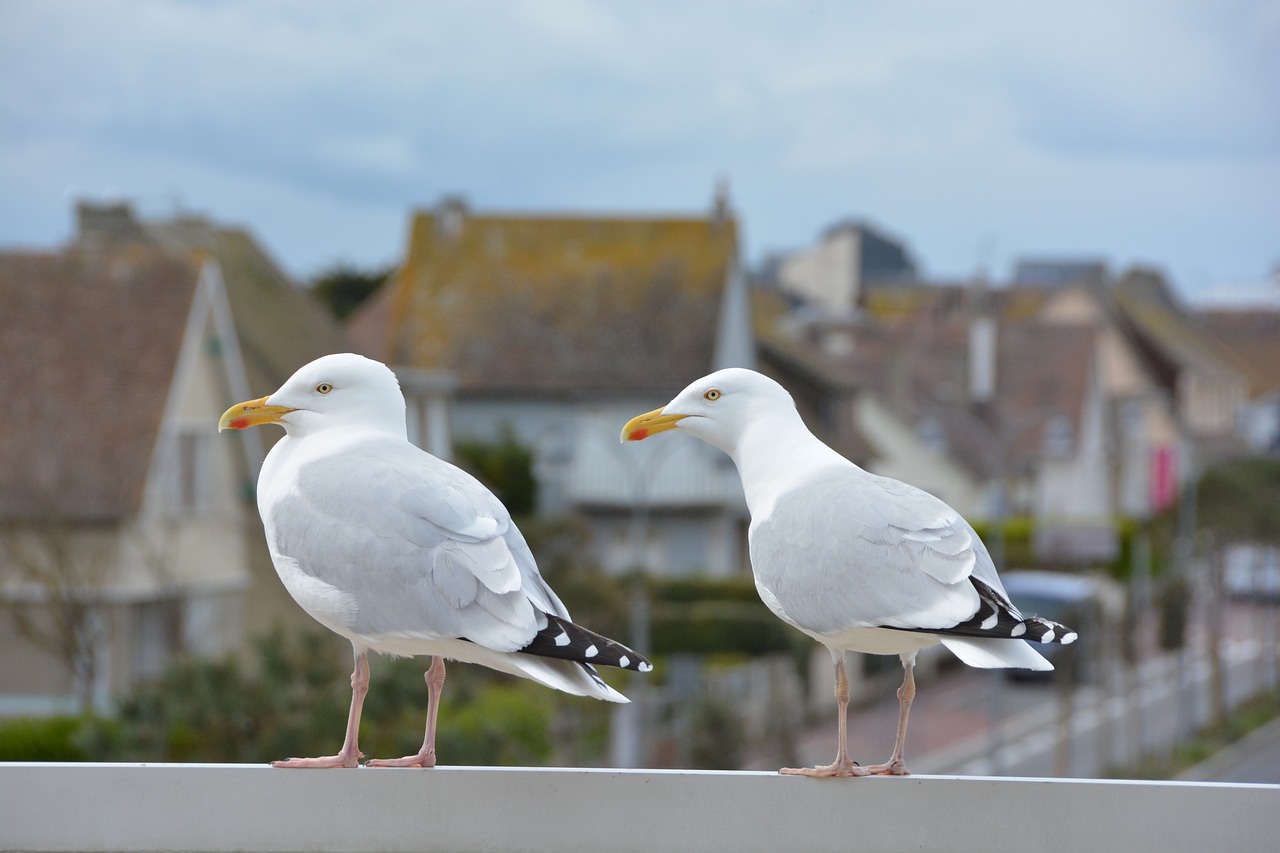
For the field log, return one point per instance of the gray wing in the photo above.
(422, 547)
(856, 550)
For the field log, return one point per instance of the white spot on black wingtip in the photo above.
(624, 661)
(989, 623)
(645, 666)
(1018, 630)
(562, 639)
(591, 651)
(1069, 638)
(1048, 636)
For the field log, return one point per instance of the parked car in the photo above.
(1088, 604)
(1252, 572)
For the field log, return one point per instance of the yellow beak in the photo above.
(650, 423)
(252, 413)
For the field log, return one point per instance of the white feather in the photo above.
(394, 549)
(857, 561)
(996, 654)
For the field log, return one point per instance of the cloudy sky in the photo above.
(978, 132)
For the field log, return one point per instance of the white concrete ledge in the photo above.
(223, 807)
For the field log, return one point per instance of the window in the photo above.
(1058, 439)
(190, 474)
(157, 637)
(931, 434)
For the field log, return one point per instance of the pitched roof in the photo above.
(88, 343)
(554, 304)
(281, 326)
(918, 365)
(1169, 340)
(1252, 338)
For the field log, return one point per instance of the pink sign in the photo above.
(1162, 479)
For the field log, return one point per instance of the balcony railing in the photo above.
(203, 807)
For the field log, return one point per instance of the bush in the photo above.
(712, 627)
(294, 702)
(715, 615)
(716, 735)
(1019, 538)
(44, 739)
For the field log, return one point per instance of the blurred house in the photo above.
(129, 522)
(1206, 386)
(556, 329)
(1251, 336)
(1066, 396)
(122, 541)
(998, 417)
(278, 326)
(834, 274)
(1058, 272)
(1174, 392)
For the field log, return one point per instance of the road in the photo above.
(1255, 759)
(970, 722)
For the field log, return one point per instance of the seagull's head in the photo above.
(334, 390)
(718, 408)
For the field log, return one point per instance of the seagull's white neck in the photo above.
(775, 454)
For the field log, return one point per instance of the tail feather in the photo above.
(579, 679)
(997, 618)
(567, 641)
(996, 653)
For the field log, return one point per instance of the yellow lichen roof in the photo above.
(559, 303)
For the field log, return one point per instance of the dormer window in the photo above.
(1058, 441)
(190, 475)
(932, 435)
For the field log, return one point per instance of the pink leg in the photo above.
(426, 756)
(843, 765)
(350, 754)
(896, 766)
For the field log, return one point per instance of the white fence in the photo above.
(168, 807)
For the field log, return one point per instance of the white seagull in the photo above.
(401, 552)
(858, 562)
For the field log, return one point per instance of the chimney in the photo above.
(451, 214)
(100, 224)
(721, 211)
(982, 346)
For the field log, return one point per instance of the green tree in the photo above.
(505, 466)
(1240, 500)
(344, 287)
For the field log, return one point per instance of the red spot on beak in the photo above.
(639, 434)
(238, 423)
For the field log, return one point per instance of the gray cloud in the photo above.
(1117, 128)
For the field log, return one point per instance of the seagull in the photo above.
(401, 552)
(857, 561)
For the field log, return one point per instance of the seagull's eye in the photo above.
(712, 395)
(324, 388)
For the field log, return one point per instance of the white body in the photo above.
(856, 561)
(392, 548)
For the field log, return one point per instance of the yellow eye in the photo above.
(324, 388)
(712, 395)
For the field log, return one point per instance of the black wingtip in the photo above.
(998, 618)
(567, 641)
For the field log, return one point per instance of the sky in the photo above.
(977, 132)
